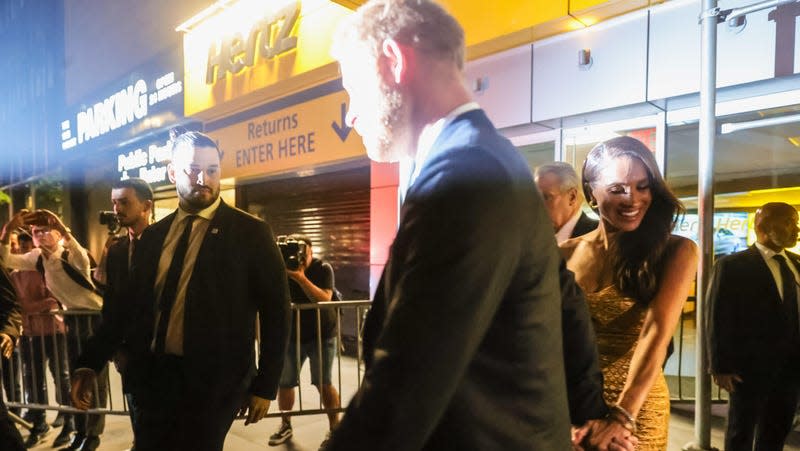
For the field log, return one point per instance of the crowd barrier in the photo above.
(36, 377)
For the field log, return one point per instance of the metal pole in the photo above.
(738, 12)
(709, 17)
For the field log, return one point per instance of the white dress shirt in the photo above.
(775, 267)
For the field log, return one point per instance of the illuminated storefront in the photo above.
(121, 131)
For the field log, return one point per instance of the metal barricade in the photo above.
(348, 369)
(680, 369)
(37, 375)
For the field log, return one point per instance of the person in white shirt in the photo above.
(561, 191)
(65, 265)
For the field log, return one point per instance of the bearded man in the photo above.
(463, 342)
(199, 277)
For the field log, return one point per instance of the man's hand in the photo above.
(82, 392)
(298, 275)
(16, 221)
(727, 381)
(603, 435)
(6, 345)
(42, 216)
(256, 408)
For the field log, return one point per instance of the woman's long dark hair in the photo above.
(637, 256)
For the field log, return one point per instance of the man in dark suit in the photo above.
(754, 337)
(463, 341)
(132, 200)
(10, 328)
(200, 276)
(561, 190)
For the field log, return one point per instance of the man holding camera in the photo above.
(66, 271)
(310, 281)
(132, 200)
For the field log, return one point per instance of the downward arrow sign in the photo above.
(342, 130)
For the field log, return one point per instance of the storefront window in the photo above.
(538, 154)
(580, 140)
(756, 164)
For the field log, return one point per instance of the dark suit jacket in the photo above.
(10, 311)
(581, 361)
(239, 272)
(584, 225)
(747, 331)
(108, 336)
(464, 335)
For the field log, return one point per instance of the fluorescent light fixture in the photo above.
(730, 127)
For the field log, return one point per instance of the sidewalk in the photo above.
(309, 431)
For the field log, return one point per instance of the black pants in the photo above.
(36, 351)
(79, 329)
(760, 414)
(172, 416)
(10, 438)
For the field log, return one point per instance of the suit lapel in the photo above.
(215, 234)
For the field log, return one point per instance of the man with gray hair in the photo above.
(561, 191)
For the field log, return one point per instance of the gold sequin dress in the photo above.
(617, 323)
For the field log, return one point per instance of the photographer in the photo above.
(310, 281)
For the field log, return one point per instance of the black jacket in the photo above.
(464, 336)
(747, 330)
(584, 225)
(239, 271)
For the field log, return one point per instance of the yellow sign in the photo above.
(304, 135)
(253, 44)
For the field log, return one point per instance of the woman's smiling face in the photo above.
(622, 193)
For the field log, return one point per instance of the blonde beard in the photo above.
(393, 140)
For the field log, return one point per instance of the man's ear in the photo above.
(398, 60)
(573, 196)
(171, 172)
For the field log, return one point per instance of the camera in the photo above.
(110, 220)
(293, 251)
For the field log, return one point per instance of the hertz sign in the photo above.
(269, 37)
(250, 45)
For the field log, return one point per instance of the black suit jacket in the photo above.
(239, 272)
(581, 361)
(10, 311)
(584, 225)
(747, 331)
(464, 335)
(108, 336)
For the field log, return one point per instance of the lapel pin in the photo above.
(214, 231)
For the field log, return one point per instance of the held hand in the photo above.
(256, 408)
(608, 435)
(6, 345)
(82, 388)
(727, 381)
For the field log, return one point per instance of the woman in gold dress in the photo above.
(636, 276)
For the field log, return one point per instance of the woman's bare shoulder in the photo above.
(681, 249)
(580, 245)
